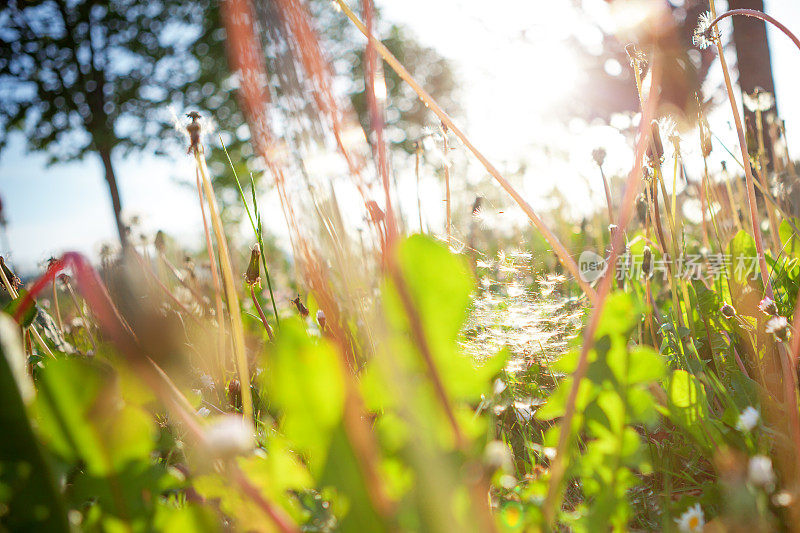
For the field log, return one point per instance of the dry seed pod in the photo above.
(647, 261)
(160, 242)
(655, 152)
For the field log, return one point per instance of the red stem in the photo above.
(261, 313)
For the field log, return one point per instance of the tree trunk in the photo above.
(754, 65)
(113, 190)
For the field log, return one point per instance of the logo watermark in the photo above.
(592, 266)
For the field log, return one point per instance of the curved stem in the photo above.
(759, 15)
(751, 193)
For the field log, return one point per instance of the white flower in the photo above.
(704, 35)
(692, 520)
(229, 435)
(759, 471)
(748, 419)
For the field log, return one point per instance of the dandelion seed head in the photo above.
(759, 100)
(705, 35)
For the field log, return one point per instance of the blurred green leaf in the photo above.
(306, 382)
(28, 488)
(30, 314)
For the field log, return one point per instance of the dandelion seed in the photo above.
(779, 327)
(759, 471)
(748, 419)
(759, 100)
(693, 520)
(705, 35)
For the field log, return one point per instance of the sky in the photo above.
(498, 54)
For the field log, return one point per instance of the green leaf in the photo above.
(306, 382)
(645, 365)
(82, 417)
(28, 488)
(30, 314)
(688, 405)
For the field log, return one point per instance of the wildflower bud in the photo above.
(727, 311)
(194, 128)
(705, 141)
(599, 156)
(235, 393)
(160, 242)
(641, 208)
(647, 261)
(655, 152)
(302, 309)
(10, 276)
(768, 307)
(253, 273)
(321, 319)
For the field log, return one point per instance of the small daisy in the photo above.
(759, 471)
(748, 419)
(778, 326)
(692, 520)
(704, 35)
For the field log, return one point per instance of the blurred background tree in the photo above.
(85, 77)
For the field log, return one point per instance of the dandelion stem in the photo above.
(751, 194)
(261, 313)
(234, 312)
